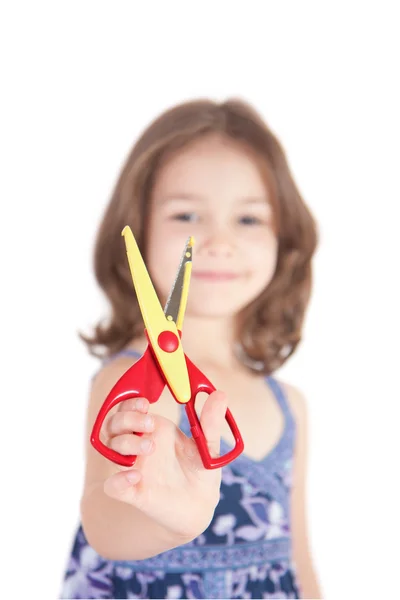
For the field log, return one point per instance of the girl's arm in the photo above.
(173, 497)
(309, 584)
(115, 529)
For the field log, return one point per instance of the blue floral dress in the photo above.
(244, 553)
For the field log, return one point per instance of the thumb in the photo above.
(212, 420)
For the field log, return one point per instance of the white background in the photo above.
(79, 81)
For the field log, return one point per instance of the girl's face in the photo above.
(214, 191)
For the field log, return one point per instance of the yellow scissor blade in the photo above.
(152, 313)
(173, 363)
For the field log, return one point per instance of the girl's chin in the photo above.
(214, 310)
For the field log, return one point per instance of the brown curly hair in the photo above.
(268, 329)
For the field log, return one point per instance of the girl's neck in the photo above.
(205, 341)
(210, 341)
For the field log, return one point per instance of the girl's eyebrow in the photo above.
(180, 196)
(254, 200)
(199, 197)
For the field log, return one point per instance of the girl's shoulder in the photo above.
(111, 370)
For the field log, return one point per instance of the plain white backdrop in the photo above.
(80, 80)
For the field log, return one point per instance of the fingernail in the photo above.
(140, 404)
(132, 476)
(148, 423)
(145, 445)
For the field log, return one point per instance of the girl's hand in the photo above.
(168, 482)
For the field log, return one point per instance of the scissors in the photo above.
(164, 361)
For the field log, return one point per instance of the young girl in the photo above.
(167, 527)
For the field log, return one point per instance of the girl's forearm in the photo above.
(118, 531)
(309, 584)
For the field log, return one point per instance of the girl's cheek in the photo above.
(255, 235)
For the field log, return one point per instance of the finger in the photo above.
(132, 404)
(129, 444)
(212, 420)
(122, 486)
(129, 422)
(139, 404)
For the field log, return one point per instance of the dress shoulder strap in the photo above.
(106, 361)
(281, 397)
(128, 352)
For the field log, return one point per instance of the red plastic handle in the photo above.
(200, 383)
(143, 379)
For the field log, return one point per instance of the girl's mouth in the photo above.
(215, 275)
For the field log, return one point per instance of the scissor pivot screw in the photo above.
(168, 341)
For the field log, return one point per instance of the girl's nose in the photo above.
(218, 243)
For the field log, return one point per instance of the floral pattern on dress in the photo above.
(244, 553)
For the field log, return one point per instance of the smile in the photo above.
(215, 275)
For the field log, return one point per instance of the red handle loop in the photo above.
(210, 462)
(200, 383)
(142, 379)
(111, 401)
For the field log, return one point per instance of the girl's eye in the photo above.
(250, 220)
(187, 217)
